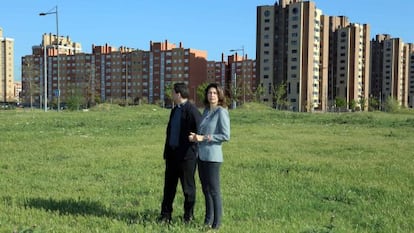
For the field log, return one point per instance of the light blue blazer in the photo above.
(216, 124)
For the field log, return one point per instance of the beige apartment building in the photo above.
(353, 65)
(318, 58)
(392, 70)
(411, 76)
(6, 69)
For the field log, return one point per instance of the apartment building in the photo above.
(217, 72)
(391, 72)
(318, 58)
(352, 65)
(242, 77)
(109, 74)
(6, 69)
(411, 76)
(40, 76)
(17, 91)
(292, 50)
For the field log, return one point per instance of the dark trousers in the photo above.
(209, 173)
(183, 171)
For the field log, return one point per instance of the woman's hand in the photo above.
(193, 137)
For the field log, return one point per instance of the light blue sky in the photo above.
(215, 26)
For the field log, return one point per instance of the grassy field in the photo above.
(102, 171)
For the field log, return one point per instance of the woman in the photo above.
(213, 130)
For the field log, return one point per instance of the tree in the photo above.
(76, 99)
(362, 101)
(391, 105)
(200, 91)
(168, 88)
(279, 95)
(373, 104)
(259, 92)
(340, 103)
(352, 105)
(30, 88)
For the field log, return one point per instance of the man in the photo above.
(180, 154)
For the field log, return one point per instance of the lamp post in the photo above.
(54, 11)
(243, 77)
(45, 76)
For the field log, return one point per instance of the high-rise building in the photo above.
(6, 69)
(352, 65)
(300, 51)
(411, 76)
(292, 55)
(390, 73)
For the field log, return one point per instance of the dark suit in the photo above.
(180, 161)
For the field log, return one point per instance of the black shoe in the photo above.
(164, 218)
(188, 218)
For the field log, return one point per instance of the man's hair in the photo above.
(182, 89)
(220, 95)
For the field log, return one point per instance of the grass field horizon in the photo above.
(102, 171)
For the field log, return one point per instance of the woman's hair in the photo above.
(220, 95)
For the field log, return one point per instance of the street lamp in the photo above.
(45, 76)
(54, 11)
(243, 76)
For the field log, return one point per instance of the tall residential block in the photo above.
(316, 57)
(292, 51)
(6, 69)
(391, 71)
(352, 65)
(411, 76)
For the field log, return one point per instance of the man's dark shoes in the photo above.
(188, 218)
(164, 218)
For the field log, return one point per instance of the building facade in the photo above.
(392, 70)
(6, 69)
(125, 75)
(352, 65)
(292, 52)
(317, 58)
(411, 76)
(108, 74)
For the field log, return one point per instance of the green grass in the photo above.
(102, 171)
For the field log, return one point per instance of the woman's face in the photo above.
(212, 96)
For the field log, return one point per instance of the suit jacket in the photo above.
(216, 124)
(189, 122)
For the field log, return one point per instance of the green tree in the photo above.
(200, 91)
(75, 100)
(352, 105)
(168, 88)
(30, 88)
(259, 92)
(373, 104)
(279, 95)
(391, 105)
(340, 103)
(362, 101)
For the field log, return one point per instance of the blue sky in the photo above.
(215, 26)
